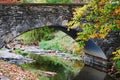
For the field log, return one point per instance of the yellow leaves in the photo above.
(79, 12)
(104, 29)
(103, 11)
(98, 17)
(97, 25)
(81, 9)
(117, 54)
(118, 51)
(103, 35)
(73, 24)
(78, 49)
(70, 24)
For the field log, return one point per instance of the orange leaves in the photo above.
(118, 23)
(99, 17)
(117, 11)
(96, 35)
(15, 73)
(102, 3)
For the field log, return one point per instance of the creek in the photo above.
(47, 64)
(64, 69)
(61, 66)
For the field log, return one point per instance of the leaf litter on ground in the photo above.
(13, 72)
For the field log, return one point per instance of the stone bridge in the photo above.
(16, 19)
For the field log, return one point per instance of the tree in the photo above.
(96, 19)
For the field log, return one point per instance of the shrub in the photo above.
(45, 33)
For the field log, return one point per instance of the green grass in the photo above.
(24, 53)
(56, 41)
(49, 38)
(61, 42)
(35, 35)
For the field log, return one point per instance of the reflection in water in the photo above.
(68, 74)
(96, 59)
(88, 73)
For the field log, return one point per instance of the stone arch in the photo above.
(17, 19)
(9, 36)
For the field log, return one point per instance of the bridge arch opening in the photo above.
(9, 36)
(71, 33)
(9, 30)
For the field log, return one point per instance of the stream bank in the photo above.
(47, 64)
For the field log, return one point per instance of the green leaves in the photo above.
(118, 64)
(37, 35)
(24, 53)
(100, 17)
(116, 59)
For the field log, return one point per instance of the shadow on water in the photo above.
(88, 73)
(69, 74)
(95, 58)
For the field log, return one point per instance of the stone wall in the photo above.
(19, 18)
(110, 43)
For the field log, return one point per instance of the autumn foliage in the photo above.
(14, 72)
(96, 19)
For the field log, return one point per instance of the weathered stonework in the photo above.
(17, 19)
